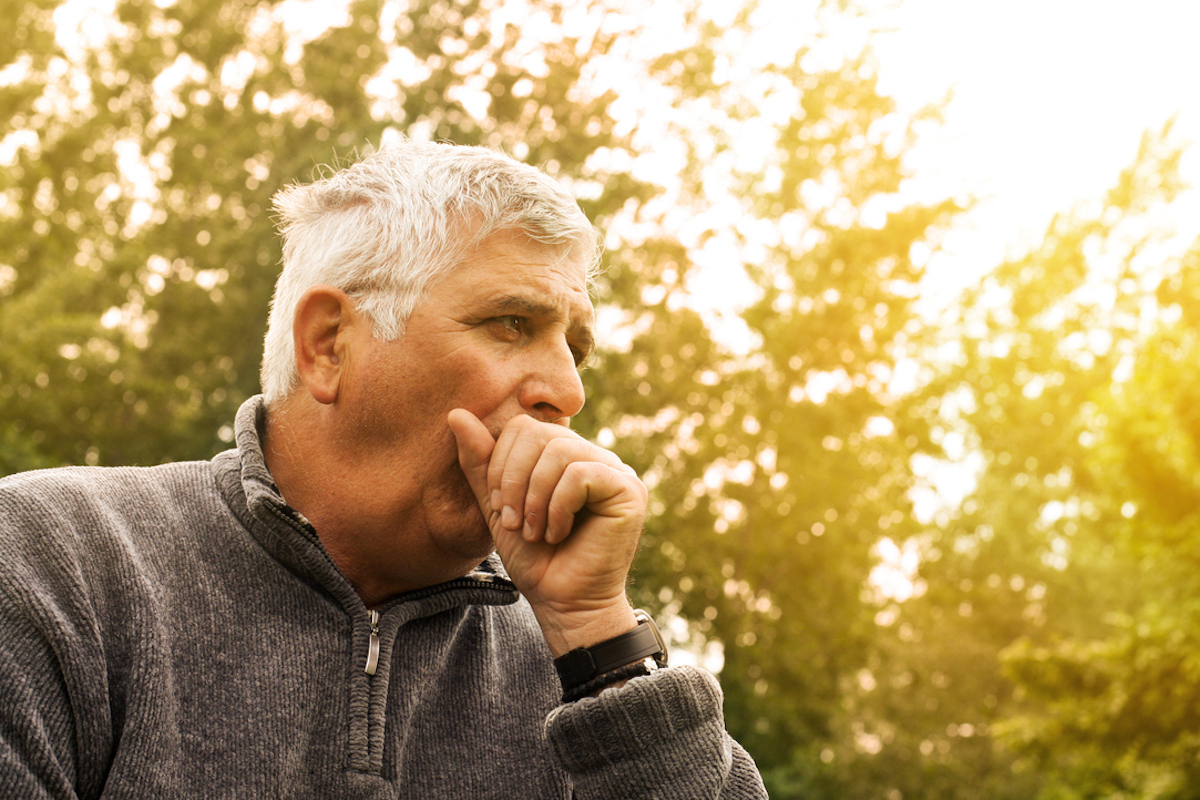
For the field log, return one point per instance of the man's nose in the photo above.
(553, 391)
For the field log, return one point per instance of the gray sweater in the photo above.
(178, 631)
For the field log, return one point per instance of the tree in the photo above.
(1063, 582)
(775, 467)
(1114, 709)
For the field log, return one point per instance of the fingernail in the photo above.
(528, 533)
(509, 518)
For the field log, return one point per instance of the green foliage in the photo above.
(776, 468)
(1117, 711)
(1074, 558)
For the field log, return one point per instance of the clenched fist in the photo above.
(566, 516)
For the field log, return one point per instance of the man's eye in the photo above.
(515, 324)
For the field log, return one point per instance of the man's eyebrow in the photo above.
(524, 305)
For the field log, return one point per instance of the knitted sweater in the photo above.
(178, 631)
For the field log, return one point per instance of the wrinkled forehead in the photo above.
(572, 258)
(565, 245)
(510, 262)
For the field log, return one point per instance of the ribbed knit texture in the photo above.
(177, 631)
(633, 748)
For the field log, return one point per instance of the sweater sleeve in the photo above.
(52, 677)
(36, 729)
(662, 736)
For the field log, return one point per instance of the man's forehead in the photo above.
(516, 258)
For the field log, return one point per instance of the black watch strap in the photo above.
(584, 664)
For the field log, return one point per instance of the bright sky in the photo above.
(1050, 100)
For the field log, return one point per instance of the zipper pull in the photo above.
(373, 644)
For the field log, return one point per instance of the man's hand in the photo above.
(566, 516)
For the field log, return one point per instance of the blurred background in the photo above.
(899, 323)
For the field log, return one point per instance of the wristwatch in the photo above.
(641, 648)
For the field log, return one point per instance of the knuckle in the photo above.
(578, 469)
(564, 449)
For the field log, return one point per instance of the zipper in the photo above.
(373, 645)
(489, 582)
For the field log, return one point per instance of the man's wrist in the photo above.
(568, 631)
(588, 670)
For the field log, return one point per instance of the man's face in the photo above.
(501, 335)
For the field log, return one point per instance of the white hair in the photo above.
(384, 229)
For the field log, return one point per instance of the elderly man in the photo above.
(407, 580)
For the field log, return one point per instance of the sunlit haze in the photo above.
(1049, 101)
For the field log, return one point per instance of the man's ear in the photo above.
(319, 334)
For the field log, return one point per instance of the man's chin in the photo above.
(470, 537)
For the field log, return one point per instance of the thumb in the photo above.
(475, 445)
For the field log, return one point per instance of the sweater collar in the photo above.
(251, 492)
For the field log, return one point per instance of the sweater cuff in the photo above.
(659, 736)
